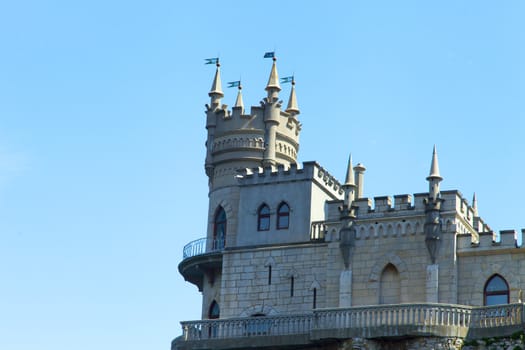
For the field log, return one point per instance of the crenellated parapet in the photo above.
(310, 171)
(490, 243)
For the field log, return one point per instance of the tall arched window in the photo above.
(263, 218)
(496, 291)
(283, 216)
(219, 229)
(214, 311)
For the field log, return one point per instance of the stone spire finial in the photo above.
(273, 80)
(216, 87)
(475, 204)
(238, 101)
(349, 187)
(434, 167)
(434, 178)
(350, 179)
(292, 107)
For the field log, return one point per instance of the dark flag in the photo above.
(269, 54)
(214, 60)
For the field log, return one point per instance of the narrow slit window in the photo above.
(315, 299)
(291, 286)
(270, 274)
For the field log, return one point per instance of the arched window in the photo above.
(263, 218)
(283, 216)
(496, 291)
(214, 311)
(219, 229)
(389, 289)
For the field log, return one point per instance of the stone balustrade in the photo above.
(379, 321)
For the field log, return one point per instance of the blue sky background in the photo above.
(102, 136)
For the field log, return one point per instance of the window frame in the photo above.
(220, 221)
(283, 215)
(488, 294)
(263, 218)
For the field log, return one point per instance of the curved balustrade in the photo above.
(198, 247)
(366, 321)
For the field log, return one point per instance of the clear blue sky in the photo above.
(102, 136)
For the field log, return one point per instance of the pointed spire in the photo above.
(350, 179)
(434, 167)
(239, 102)
(475, 204)
(292, 107)
(216, 87)
(273, 81)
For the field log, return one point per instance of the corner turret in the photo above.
(475, 205)
(434, 178)
(272, 113)
(238, 102)
(212, 110)
(349, 187)
(216, 88)
(432, 210)
(292, 107)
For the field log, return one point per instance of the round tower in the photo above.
(266, 137)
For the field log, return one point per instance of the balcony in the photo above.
(326, 325)
(199, 258)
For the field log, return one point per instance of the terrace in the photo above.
(326, 325)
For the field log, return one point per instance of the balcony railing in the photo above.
(367, 321)
(200, 246)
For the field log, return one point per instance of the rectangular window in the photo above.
(315, 298)
(291, 286)
(270, 274)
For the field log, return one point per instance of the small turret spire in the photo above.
(292, 107)
(475, 204)
(349, 187)
(434, 178)
(434, 167)
(238, 101)
(216, 87)
(350, 179)
(273, 80)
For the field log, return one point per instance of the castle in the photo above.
(294, 258)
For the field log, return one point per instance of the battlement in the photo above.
(310, 171)
(490, 242)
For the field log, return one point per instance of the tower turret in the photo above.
(347, 232)
(432, 210)
(238, 102)
(212, 110)
(434, 178)
(292, 107)
(272, 112)
(475, 205)
(349, 186)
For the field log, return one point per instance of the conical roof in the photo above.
(292, 101)
(475, 204)
(238, 101)
(216, 87)
(350, 179)
(434, 167)
(273, 80)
